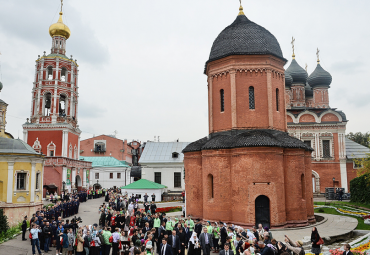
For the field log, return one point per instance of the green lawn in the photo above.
(361, 225)
(338, 203)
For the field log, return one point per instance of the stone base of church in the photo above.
(16, 212)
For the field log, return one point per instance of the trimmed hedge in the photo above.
(360, 189)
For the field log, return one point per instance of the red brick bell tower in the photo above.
(53, 126)
(248, 170)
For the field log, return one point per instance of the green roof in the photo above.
(105, 162)
(143, 184)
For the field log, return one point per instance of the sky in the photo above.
(141, 63)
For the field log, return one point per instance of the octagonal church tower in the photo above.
(248, 170)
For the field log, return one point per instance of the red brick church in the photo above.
(53, 127)
(248, 169)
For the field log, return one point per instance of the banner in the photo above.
(68, 177)
(87, 176)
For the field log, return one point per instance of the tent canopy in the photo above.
(144, 184)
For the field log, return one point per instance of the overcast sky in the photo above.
(141, 62)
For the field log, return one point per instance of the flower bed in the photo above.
(343, 211)
(169, 209)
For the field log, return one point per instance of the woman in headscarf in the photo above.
(194, 246)
(268, 231)
(315, 237)
(127, 221)
(250, 235)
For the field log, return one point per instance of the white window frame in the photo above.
(38, 179)
(330, 138)
(355, 167)
(16, 181)
(51, 147)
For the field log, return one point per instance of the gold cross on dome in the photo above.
(306, 67)
(318, 55)
(293, 40)
(61, 5)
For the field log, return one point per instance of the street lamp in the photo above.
(333, 182)
(64, 186)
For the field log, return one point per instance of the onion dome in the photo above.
(244, 37)
(319, 77)
(59, 28)
(288, 80)
(298, 74)
(1, 86)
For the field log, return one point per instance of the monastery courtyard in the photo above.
(332, 226)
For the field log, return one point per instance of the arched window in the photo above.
(210, 186)
(50, 72)
(222, 96)
(75, 153)
(62, 105)
(63, 74)
(47, 104)
(51, 149)
(303, 184)
(37, 145)
(251, 98)
(277, 99)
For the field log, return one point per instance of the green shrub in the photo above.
(4, 225)
(321, 210)
(360, 189)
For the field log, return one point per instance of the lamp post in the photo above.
(64, 186)
(334, 182)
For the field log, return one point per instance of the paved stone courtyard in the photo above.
(333, 226)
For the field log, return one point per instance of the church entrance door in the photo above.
(262, 211)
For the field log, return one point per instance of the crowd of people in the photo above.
(124, 227)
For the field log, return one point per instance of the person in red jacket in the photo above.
(183, 196)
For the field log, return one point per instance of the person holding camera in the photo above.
(35, 238)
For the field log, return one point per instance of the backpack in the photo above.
(302, 252)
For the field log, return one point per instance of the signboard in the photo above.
(87, 176)
(68, 177)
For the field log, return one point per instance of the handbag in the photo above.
(61, 241)
(111, 239)
(30, 236)
(92, 243)
(120, 245)
(320, 241)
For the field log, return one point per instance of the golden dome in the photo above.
(59, 28)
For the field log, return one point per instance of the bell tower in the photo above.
(53, 120)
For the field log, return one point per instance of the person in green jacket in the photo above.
(169, 225)
(191, 224)
(106, 235)
(157, 221)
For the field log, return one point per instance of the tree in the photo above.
(4, 225)
(363, 165)
(360, 138)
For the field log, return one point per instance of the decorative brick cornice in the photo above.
(256, 70)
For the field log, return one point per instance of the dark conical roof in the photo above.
(288, 80)
(319, 77)
(298, 74)
(244, 37)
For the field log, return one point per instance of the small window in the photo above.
(277, 99)
(175, 155)
(308, 143)
(38, 181)
(177, 180)
(357, 164)
(251, 98)
(210, 186)
(158, 177)
(118, 175)
(99, 147)
(326, 148)
(222, 96)
(21, 181)
(96, 176)
(51, 153)
(110, 175)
